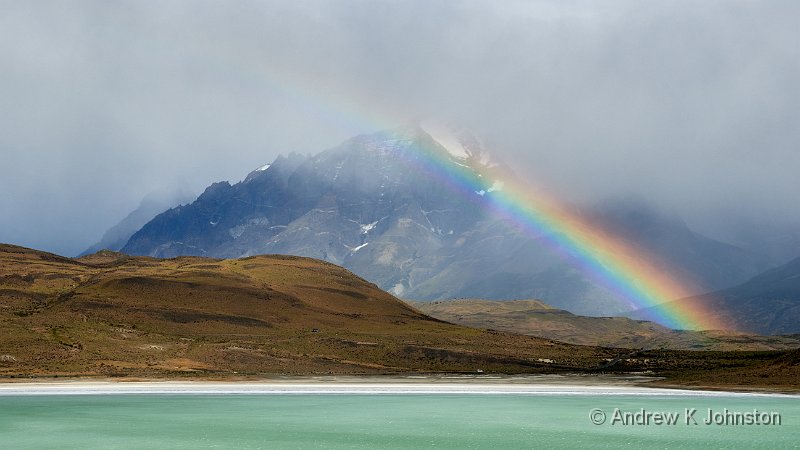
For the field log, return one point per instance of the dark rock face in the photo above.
(374, 206)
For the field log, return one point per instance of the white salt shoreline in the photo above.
(343, 387)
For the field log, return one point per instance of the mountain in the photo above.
(700, 261)
(778, 240)
(536, 318)
(109, 314)
(153, 204)
(389, 207)
(766, 304)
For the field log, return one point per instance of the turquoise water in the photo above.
(380, 421)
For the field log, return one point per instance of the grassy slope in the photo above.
(535, 318)
(113, 315)
(110, 314)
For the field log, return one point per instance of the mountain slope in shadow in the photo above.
(766, 304)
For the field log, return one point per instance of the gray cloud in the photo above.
(691, 104)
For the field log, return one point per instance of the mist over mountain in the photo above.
(693, 107)
(769, 303)
(760, 233)
(369, 206)
(153, 204)
(707, 263)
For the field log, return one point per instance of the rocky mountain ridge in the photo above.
(385, 206)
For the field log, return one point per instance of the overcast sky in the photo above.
(692, 104)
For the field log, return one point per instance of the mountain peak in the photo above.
(392, 207)
(459, 142)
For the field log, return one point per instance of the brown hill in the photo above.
(111, 314)
(536, 318)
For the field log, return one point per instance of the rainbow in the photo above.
(626, 271)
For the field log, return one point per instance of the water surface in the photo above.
(361, 421)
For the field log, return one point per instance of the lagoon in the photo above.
(369, 418)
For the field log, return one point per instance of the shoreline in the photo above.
(352, 385)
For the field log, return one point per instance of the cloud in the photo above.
(693, 105)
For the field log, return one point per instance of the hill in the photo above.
(536, 318)
(109, 314)
(112, 315)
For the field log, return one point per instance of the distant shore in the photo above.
(421, 384)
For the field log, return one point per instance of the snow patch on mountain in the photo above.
(460, 144)
(365, 228)
(496, 186)
(398, 289)
(237, 231)
(448, 139)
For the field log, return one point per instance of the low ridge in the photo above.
(111, 314)
(535, 318)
